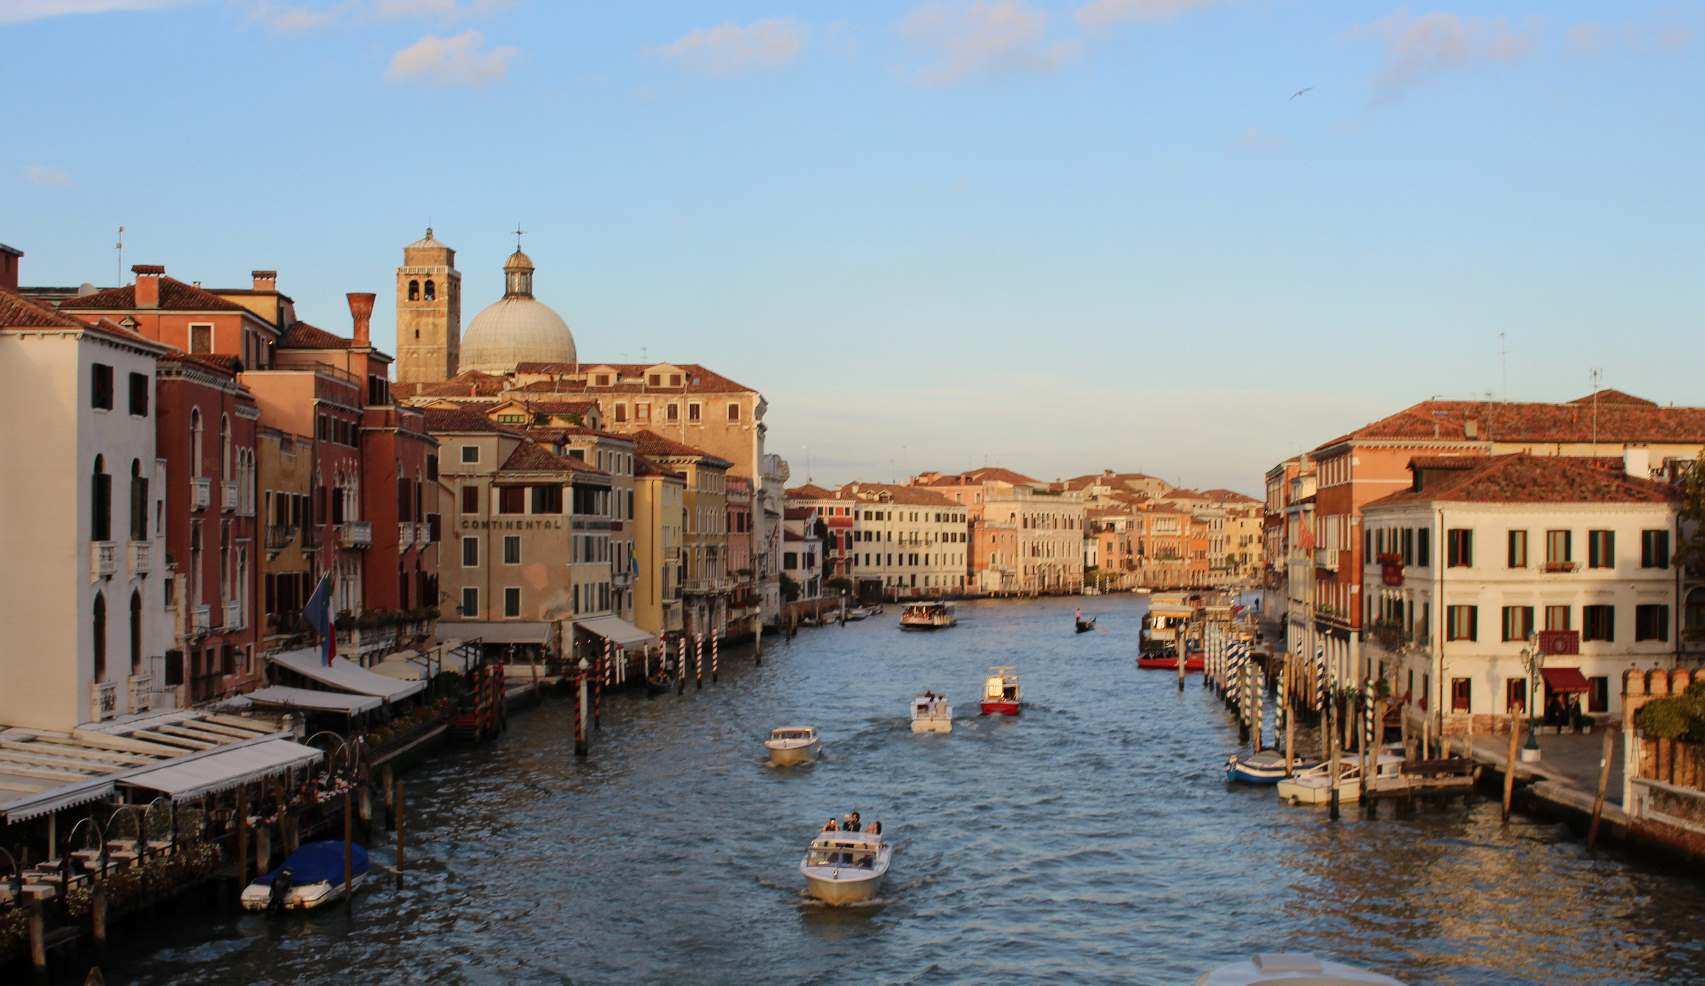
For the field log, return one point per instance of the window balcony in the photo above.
(103, 561)
(200, 492)
(355, 534)
(141, 557)
(200, 618)
(279, 536)
(1326, 559)
(228, 496)
(103, 700)
(405, 535)
(141, 691)
(422, 534)
(1561, 566)
(233, 615)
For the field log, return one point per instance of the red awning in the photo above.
(1565, 680)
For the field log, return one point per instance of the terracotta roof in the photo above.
(1523, 478)
(983, 475)
(643, 466)
(301, 335)
(229, 365)
(1614, 420)
(447, 419)
(561, 407)
(799, 513)
(890, 493)
(468, 383)
(18, 312)
(810, 491)
(655, 445)
(695, 378)
(1229, 496)
(175, 295)
(530, 456)
(1609, 396)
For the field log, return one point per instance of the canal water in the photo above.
(1092, 840)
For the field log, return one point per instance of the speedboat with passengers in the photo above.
(931, 713)
(789, 745)
(846, 867)
(1001, 696)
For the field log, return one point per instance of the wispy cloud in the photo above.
(1106, 13)
(459, 60)
(985, 37)
(294, 18)
(1648, 38)
(19, 11)
(45, 176)
(1419, 49)
(445, 10)
(728, 50)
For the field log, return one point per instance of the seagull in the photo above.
(1299, 92)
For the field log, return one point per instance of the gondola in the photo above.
(658, 684)
(1084, 626)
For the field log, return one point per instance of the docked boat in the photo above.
(310, 877)
(1314, 787)
(1262, 767)
(1163, 626)
(789, 745)
(931, 713)
(928, 616)
(846, 867)
(857, 613)
(1169, 662)
(1295, 967)
(1001, 695)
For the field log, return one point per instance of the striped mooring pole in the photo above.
(698, 659)
(714, 637)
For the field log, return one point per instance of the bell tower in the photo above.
(429, 312)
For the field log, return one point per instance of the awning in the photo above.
(280, 696)
(501, 632)
(616, 630)
(1565, 681)
(344, 675)
(224, 770)
(24, 798)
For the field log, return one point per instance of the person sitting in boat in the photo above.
(831, 826)
(875, 828)
(850, 824)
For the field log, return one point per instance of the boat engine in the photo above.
(281, 885)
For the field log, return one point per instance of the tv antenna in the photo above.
(1504, 363)
(1595, 376)
(120, 248)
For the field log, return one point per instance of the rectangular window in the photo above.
(694, 411)
(1598, 623)
(470, 601)
(1515, 694)
(1518, 549)
(734, 412)
(642, 411)
(1557, 618)
(621, 412)
(1559, 551)
(1461, 622)
(470, 552)
(470, 454)
(1518, 622)
(1601, 549)
(433, 528)
(1408, 546)
(512, 601)
(1651, 622)
(1654, 549)
(201, 338)
(139, 394)
(512, 549)
(100, 386)
(1459, 547)
(547, 499)
(1461, 694)
(511, 499)
(1424, 549)
(470, 499)
(673, 412)
(1598, 694)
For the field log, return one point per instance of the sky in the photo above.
(1184, 237)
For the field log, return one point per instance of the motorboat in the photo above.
(789, 745)
(928, 616)
(1262, 767)
(931, 713)
(1169, 662)
(846, 867)
(1314, 787)
(1001, 696)
(1163, 624)
(857, 613)
(310, 877)
(1297, 967)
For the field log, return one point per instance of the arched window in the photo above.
(195, 441)
(414, 290)
(100, 502)
(138, 502)
(431, 290)
(224, 446)
(99, 625)
(136, 631)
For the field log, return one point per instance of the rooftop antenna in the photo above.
(120, 248)
(1596, 375)
(1504, 362)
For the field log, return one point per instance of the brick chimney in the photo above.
(148, 284)
(361, 311)
(265, 280)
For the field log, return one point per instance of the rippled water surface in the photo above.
(1090, 840)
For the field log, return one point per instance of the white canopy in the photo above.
(616, 630)
(344, 675)
(281, 696)
(225, 769)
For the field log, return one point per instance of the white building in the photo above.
(767, 498)
(910, 540)
(86, 615)
(1046, 530)
(1484, 559)
(802, 551)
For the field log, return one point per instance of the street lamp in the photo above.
(1532, 658)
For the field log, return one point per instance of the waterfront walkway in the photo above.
(1566, 775)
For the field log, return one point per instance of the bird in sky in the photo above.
(1299, 92)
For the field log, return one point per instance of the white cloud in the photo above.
(1420, 49)
(439, 9)
(294, 18)
(985, 37)
(734, 49)
(41, 174)
(1105, 13)
(19, 11)
(458, 60)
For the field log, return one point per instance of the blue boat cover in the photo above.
(319, 862)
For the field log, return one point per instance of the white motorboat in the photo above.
(311, 877)
(845, 867)
(789, 745)
(1291, 967)
(1313, 786)
(928, 616)
(931, 713)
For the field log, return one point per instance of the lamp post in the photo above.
(1532, 658)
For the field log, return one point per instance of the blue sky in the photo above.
(1054, 235)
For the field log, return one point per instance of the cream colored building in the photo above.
(909, 540)
(87, 617)
(659, 522)
(1047, 529)
(706, 581)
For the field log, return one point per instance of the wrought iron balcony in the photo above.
(103, 561)
(355, 534)
(200, 492)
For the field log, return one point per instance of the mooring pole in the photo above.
(1510, 763)
(1603, 782)
(397, 801)
(581, 741)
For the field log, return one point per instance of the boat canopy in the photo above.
(319, 862)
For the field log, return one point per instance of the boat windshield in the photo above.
(790, 734)
(862, 857)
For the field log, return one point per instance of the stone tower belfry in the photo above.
(429, 312)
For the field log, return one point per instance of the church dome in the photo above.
(516, 328)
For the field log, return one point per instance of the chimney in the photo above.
(1637, 461)
(361, 311)
(265, 280)
(148, 284)
(9, 258)
(1471, 428)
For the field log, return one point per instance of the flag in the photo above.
(318, 613)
